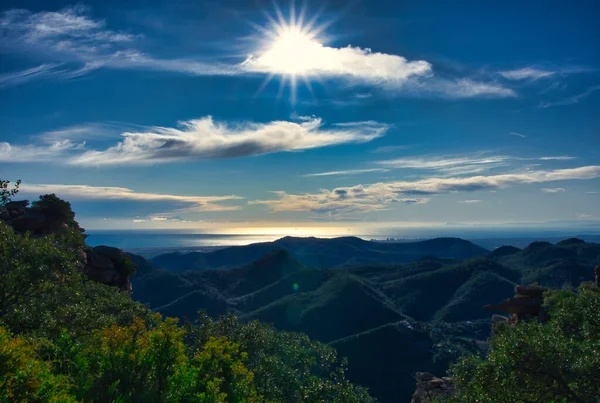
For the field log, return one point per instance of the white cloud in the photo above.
(349, 172)
(37, 153)
(295, 54)
(553, 190)
(158, 218)
(23, 76)
(557, 158)
(71, 35)
(526, 73)
(389, 149)
(463, 164)
(517, 134)
(206, 139)
(470, 201)
(104, 193)
(195, 139)
(379, 196)
(461, 88)
(583, 216)
(571, 100)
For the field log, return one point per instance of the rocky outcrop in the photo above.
(108, 265)
(103, 264)
(429, 386)
(526, 304)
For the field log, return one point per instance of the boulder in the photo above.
(104, 265)
(114, 254)
(429, 387)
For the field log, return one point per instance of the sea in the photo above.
(153, 243)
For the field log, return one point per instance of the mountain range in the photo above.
(392, 308)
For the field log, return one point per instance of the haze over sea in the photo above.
(154, 242)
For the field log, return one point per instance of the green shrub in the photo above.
(558, 361)
(26, 378)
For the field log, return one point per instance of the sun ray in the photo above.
(291, 49)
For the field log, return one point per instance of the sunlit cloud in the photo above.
(206, 139)
(104, 193)
(379, 196)
(292, 50)
(553, 190)
(348, 172)
(194, 139)
(470, 201)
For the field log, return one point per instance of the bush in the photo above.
(287, 366)
(558, 361)
(25, 378)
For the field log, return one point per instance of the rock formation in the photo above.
(429, 386)
(526, 304)
(108, 265)
(103, 264)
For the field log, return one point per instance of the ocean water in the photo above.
(149, 244)
(175, 240)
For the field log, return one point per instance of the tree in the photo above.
(56, 212)
(287, 366)
(556, 361)
(7, 194)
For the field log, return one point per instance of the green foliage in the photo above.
(26, 378)
(77, 340)
(56, 211)
(42, 289)
(287, 366)
(6, 194)
(29, 267)
(558, 361)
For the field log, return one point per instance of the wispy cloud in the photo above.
(379, 196)
(463, 164)
(195, 139)
(38, 153)
(389, 149)
(72, 35)
(23, 76)
(104, 193)
(470, 201)
(349, 172)
(517, 134)
(526, 73)
(571, 100)
(553, 190)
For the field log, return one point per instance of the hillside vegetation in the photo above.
(390, 320)
(65, 338)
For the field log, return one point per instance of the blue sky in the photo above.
(349, 115)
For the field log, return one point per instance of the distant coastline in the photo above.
(153, 243)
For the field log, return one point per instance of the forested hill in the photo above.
(390, 320)
(323, 253)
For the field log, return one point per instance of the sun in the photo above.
(294, 52)
(291, 49)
